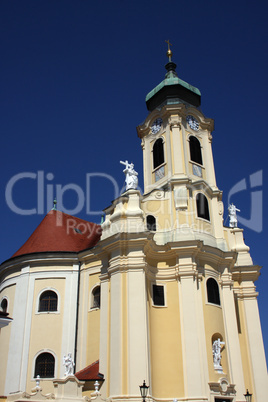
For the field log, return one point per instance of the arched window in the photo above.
(195, 150)
(202, 206)
(96, 297)
(48, 301)
(213, 294)
(151, 222)
(158, 153)
(4, 305)
(44, 365)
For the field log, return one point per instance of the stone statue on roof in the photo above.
(232, 215)
(131, 175)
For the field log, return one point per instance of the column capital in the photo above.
(246, 292)
(226, 281)
(174, 121)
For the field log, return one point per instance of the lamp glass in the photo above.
(248, 396)
(144, 389)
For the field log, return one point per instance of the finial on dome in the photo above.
(54, 205)
(170, 66)
(169, 52)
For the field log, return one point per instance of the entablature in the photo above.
(247, 273)
(44, 261)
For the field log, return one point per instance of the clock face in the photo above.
(192, 122)
(156, 125)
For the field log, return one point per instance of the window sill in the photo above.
(47, 312)
(213, 304)
(155, 305)
(159, 166)
(198, 164)
(203, 219)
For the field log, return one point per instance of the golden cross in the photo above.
(169, 44)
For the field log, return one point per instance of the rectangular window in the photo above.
(223, 400)
(158, 295)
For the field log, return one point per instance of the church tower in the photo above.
(176, 142)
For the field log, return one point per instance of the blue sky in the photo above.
(74, 76)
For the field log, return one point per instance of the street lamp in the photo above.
(248, 396)
(144, 390)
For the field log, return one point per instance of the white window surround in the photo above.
(91, 297)
(197, 135)
(155, 138)
(38, 300)
(165, 294)
(34, 361)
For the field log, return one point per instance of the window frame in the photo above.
(7, 304)
(225, 399)
(164, 294)
(44, 351)
(154, 168)
(207, 299)
(91, 305)
(38, 301)
(208, 209)
(193, 150)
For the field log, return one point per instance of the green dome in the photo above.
(172, 90)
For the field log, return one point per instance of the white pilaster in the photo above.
(232, 340)
(192, 355)
(69, 315)
(208, 161)
(82, 321)
(104, 332)
(256, 349)
(20, 334)
(137, 331)
(116, 335)
(178, 154)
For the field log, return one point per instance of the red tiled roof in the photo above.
(91, 372)
(61, 232)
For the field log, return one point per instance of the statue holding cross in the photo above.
(131, 175)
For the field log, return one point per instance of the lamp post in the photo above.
(144, 390)
(248, 396)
